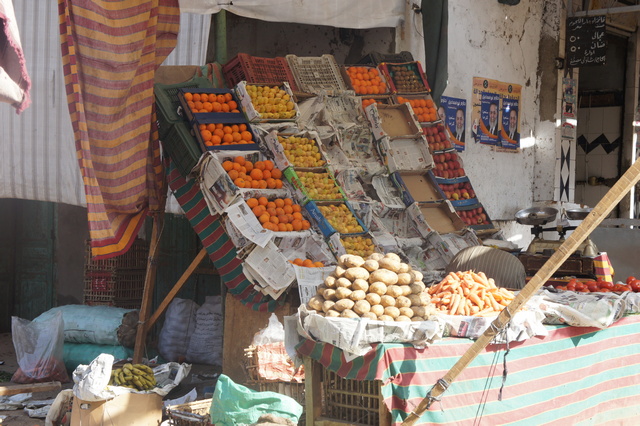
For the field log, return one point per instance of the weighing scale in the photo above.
(580, 263)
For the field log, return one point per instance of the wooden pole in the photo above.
(600, 211)
(176, 289)
(149, 285)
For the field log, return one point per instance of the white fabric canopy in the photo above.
(335, 13)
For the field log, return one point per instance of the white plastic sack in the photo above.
(91, 380)
(272, 333)
(179, 325)
(205, 344)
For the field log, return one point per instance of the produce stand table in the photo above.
(575, 375)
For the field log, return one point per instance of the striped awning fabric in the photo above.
(110, 51)
(575, 375)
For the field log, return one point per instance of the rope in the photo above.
(444, 385)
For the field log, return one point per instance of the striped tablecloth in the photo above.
(575, 375)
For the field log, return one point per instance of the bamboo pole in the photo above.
(599, 212)
(149, 285)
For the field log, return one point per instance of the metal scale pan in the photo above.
(536, 216)
(578, 214)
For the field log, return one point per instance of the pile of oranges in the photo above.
(258, 175)
(307, 262)
(214, 134)
(367, 102)
(425, 109)
(211, 102)
(366, 81)
(280, 214)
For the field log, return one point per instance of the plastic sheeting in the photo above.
(334, 13)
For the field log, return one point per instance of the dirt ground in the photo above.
(200, 377)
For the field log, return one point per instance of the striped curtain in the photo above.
(110, 52)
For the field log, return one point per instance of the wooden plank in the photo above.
(31, 387)
(176, 289)
(312, 391)
(588, 225)
(383, 412)
(240, 325)
(149, 284)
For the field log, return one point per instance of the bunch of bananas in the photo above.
(135, 376)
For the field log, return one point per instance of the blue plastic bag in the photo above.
(234, 404)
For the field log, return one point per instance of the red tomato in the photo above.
(606, 284)
(583, 290)
(580, 286)
(571, 286)
(573, 282)
(620, 288)
(635, 285)
(629, 279)
(604, 290)
(561, 287)
(593, 287)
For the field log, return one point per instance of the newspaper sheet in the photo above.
(523, 325)
(309, 279)
(580, 309)
(355, 336)
(270, 266)
(246, 222)
(216, 185)
(387, 192)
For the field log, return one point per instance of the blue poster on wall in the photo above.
(455, 119)
(510, 135)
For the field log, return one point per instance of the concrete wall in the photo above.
(496, 41)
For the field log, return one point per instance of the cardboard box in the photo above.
(249, 109)
(439, 217)
(393, 121)
(405, 154)
(130, 409)
(417, 187)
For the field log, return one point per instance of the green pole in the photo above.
(221, 37)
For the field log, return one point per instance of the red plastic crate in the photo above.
(254, 69)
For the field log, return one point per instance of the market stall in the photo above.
(574, 373)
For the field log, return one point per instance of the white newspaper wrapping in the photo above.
(388, 193)
(309, 279)
(216, 185)
(523, 325)
(270, 267)
(349, 181)
(580, 309)
(355, 336)
(246, 222)
(91, 380)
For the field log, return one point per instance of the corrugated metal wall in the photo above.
(37, 149)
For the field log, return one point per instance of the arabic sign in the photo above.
(586, 41)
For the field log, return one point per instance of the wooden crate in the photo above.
(332, 400)
(194, 413)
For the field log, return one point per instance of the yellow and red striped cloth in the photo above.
(110, 52)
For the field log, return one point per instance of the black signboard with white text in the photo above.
(586, 41)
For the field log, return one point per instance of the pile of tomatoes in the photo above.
(601, 286)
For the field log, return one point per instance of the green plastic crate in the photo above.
(182, 147)
(168, 105)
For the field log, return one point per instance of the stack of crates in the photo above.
(117, 281)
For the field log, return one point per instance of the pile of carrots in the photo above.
(470, 294)
(258, 175)
(280, 214)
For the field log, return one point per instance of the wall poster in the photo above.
(496, 113)
(453, 113)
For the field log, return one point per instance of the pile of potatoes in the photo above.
(381, 287)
